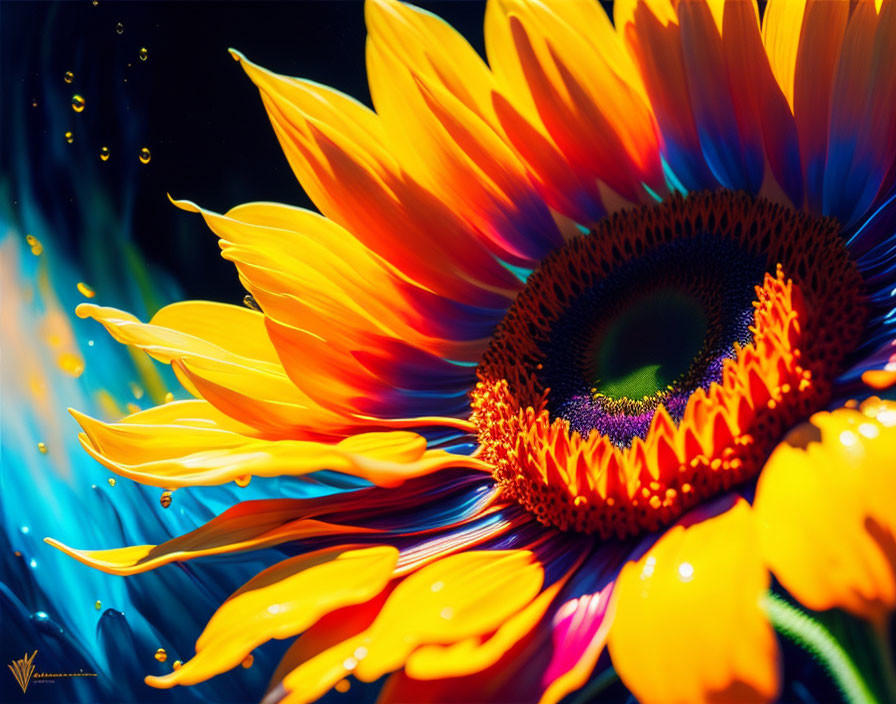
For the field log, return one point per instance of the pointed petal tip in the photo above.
(187, 205)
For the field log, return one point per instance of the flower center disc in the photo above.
(655, 361)
(649, 346)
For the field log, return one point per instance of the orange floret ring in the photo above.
(807, 316)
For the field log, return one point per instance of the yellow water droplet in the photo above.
(136, 389)
(119, 28)
(165, 499)
(104, 153)
(96, 2)
(161, 655)
(133, 408)
(143, 53)
(69, 77)
(343, 686)
(36, 247)
(42, 447)
(78, 103)
(34, 103)
(71, 364)
(69, 137)
(144, 156)
(247, 663)
(176, 664)
(169, 397)
(85, 290)
(250, 302)
(98, 605)
(111, 481)
(243, 480)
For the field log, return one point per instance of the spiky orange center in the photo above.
(806, 316)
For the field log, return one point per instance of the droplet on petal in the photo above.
(165, 499)
(119, 28)
(144, 156)
(69, 137)
(243, 480)
(343, 686)
(69, 77)
(176, 664)
(169, 397)
(78, 103)
(111, 481)
(85, 290)
(143, 53)
(98, 605)
(42, 447)
(104, 153)
(247, 663)
(161, 655)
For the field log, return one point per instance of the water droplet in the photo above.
(111, 481)
(42, 446)
(71, 364)
(69, 137)
(69, 77)
(96, 2)
(169, 397)
(136, 389)
(43, 621)
(247, 663)
(119, 28)
(250, 302)
(342, 686)
(25, 530)
(144, 156)
(176, 664)
(165, 499)
(34, 102)
(161, 655)
(243, 480)
(85, 290)
(78, 103)
(133, 408)
(98, 605)
(143, 53)
(36, 247)
(104, 153)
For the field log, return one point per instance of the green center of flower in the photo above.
(649, 345)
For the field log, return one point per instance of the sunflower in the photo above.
(598, 325)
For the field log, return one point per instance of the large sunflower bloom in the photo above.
(590, 320)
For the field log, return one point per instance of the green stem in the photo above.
(596, 686)
(816, 639)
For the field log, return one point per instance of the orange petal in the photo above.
(282, 601)
(824, 504)
(688, 624)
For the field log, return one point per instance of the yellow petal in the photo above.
(434, 50)
(177, 456)
(824, 504)
(688, 625)
(282, 601)
(476, 654)
(781, 29)
(250, 525)
(234, 328)
(451, 600)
